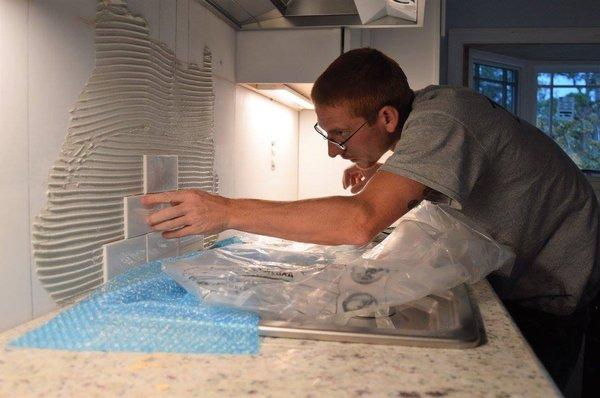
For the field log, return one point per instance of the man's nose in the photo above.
(333, 150)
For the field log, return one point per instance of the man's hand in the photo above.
(357, 178)
(192, 212)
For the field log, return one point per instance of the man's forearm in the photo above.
(331, 221)
(334, 220)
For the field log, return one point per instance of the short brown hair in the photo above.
(366, 80)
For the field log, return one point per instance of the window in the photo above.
(568, 110)
(497, 83)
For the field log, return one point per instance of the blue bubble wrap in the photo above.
(143, 310)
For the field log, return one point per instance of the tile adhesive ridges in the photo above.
(139, 100)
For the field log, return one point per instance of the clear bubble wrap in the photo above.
(432, 249)
(144, 310)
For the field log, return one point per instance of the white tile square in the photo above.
(191, 243)
(134, 216)
(158, 247)
(120, 255)
(160, 173)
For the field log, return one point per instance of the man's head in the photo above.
(362, 85)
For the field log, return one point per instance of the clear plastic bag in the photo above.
(433, 248)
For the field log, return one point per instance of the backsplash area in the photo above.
(139, 100)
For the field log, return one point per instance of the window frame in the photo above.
(505, 62)
(556, 68)
(505, 83)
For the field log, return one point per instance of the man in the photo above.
(450, 144)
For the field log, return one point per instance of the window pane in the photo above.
(572, 117)
(588, 78)
(544, 78)
(580, 78)
(543, 109)
(490, 72)
(491, 90)
(503, 88)
(593, 78)
(510, 99)
(565, 100)
(576, 125)
(569, 79)
(511, 75)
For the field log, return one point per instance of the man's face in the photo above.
(365, 146)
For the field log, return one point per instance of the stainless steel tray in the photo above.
(446, 320)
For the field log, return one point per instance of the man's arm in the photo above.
(332, 220)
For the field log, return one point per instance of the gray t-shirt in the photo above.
(514, 180)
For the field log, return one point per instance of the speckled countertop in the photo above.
(503, 366)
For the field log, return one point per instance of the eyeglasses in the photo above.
(341, 145)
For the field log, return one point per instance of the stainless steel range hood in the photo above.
(290, 14)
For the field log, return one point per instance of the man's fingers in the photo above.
(165, 214)
(348, 175)
(346, 178)
(170, 224)
(163, 197)
(358, 187)
(350, 178)
(355, 179)
(348, 181)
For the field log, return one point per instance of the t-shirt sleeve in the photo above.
(439, 152)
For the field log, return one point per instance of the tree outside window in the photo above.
(568, 110)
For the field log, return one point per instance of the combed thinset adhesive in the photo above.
(143, 310)
(139, 100)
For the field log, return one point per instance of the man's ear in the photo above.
(389, 117)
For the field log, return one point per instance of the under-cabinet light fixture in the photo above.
(283, 94)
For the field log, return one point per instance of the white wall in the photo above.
(15, 288)
(318, 174)
(60, 59)
(225, 135)
(266, 134)
(47, 56)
